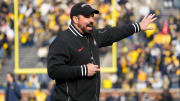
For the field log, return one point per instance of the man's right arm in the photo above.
(57, 64)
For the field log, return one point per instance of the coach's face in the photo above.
(85, 23)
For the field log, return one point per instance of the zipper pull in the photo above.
(92, 58)
(93, 61)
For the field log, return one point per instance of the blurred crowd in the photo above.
(150, 59)
(147, 60)
(6, 31)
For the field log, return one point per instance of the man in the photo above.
(13, 92)
(73, 59)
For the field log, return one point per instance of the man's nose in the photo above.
(91, 19)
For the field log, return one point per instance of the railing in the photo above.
(113, 92)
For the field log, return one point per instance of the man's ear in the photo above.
(75, 19)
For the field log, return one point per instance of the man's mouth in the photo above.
(89, 26)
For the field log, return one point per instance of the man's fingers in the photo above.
(148, 17)
(153, 19)
(149, 28)
(97, 69)
(145, 17)
(151, 16)
(96, 66)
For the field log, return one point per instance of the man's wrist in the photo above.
(84, 70)
(137, 27)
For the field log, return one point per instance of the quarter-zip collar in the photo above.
(75, 31)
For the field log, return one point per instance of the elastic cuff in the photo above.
(86, 74)
(84, 70)
(139, 27)
(136, 27)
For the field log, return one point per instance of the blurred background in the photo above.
(148, 63)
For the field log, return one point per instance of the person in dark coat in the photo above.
(73, 58)
(13, 92)
(166, 96)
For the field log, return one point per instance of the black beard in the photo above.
(84, 29)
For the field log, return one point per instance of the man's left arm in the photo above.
(107, 36)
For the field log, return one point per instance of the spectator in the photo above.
(40, 95)
(107, 83)
(13, 92)
(34, 81)
(173, 76)
(168, 3)
(113, 97)
(141, 84)
(22, 81)
(50, 92)
(158, 80)
(166, 96)
(31, 97)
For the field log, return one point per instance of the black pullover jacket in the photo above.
(71, 51)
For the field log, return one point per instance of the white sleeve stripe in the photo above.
(137, 27)
(134, 27)
(82, 70)
(85, 70)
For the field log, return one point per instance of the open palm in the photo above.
(144, 24)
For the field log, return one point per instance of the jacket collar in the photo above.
(75, 31)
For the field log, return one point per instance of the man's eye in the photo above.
(92, 15)
(87, 16)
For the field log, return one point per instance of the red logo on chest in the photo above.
(80, 49)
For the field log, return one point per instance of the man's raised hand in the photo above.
(144, 24)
